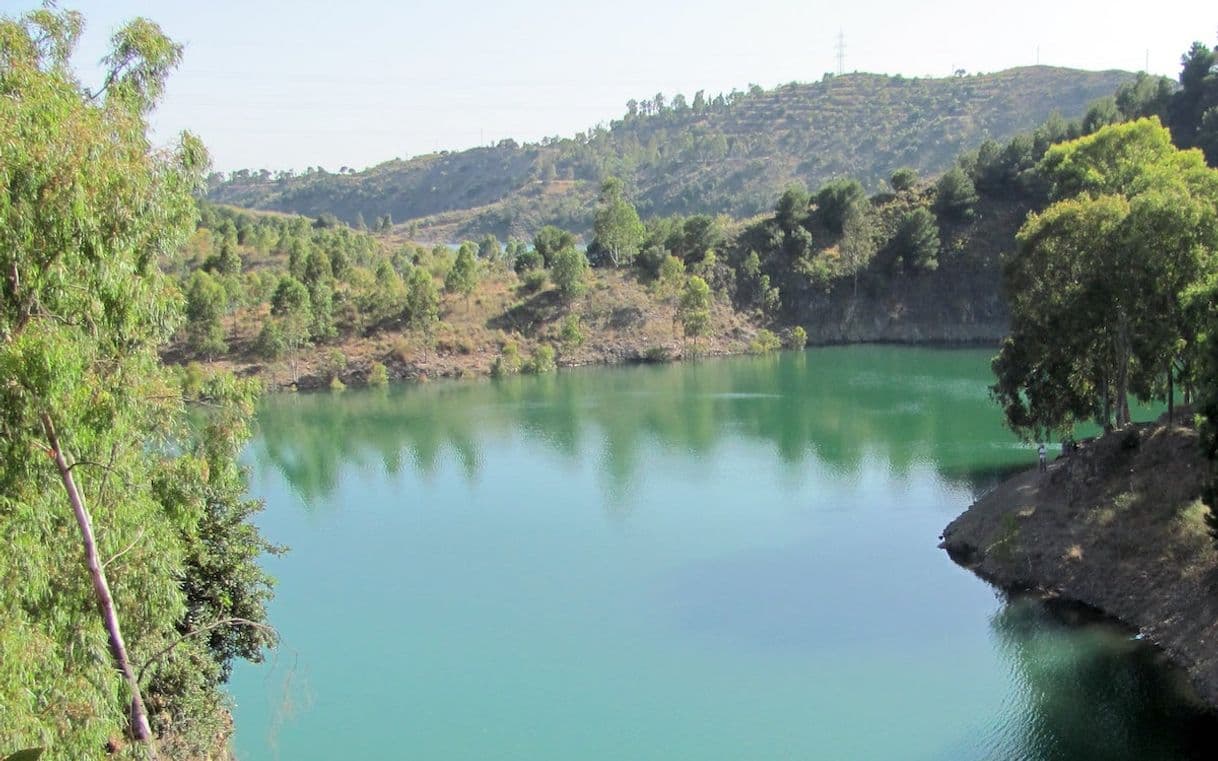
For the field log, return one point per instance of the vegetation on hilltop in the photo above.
(726, 154)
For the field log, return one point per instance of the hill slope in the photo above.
(730, 154)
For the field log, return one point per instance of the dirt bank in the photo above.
(1117, 525)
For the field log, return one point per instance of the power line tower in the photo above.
(841, 52)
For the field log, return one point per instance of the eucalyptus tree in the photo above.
(619, 231)
(125, 526)
(1097, 284)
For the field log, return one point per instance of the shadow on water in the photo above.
(834, 407)
(1087, 689)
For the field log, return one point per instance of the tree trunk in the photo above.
(1171, 396)
(140, 729)
(1122, 390)
(1107, 404)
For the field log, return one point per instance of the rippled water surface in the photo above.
(725, 560)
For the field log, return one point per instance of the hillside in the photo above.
(728, 154)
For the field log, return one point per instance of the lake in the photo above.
(728, 559)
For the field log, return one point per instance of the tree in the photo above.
(917, 240)
(463, 276)
(226, 261)
(955, 194)
(671, 275)
(859, 240)
(422, 301)
(206, 303)
(694, 308)
(836, 199)
(792, 208)
(550, 240)
(570, 272)
(903, 179)
(489, 248)
(98, 457)
(617, 228)
(1096, 287)
(1101, 113)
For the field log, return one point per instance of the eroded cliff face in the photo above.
(1117, 525)
(962, 305)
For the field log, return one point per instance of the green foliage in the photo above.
(206, 303)
(671, 276)
(836, 200)
(463, 277)
(917, 240)
(534, 281)
(955, 195)
(650, 259)
(86, 209)
(291, 299)
(765, 342)
(508, 362)
(489, 248)
(617, 228)
(571, 335)
(549, 240)
(694, 308)
(542, 361)
(797, 338)
(272, 344)
(903, 180)
(1097, 287)
(378, 375)
(527, 261)
(1101, 113)
(570, 272)
(422, 310)
(792, 208)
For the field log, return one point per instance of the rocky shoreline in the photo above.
(1117, 525)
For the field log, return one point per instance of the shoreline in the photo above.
(1117, 527)
(455, 366)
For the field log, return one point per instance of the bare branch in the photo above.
(204, 630)
(126, 549)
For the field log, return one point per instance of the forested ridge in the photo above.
(705, 154)
(321, 301)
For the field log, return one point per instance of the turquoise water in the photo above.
(731, 559)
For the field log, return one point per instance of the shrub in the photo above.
(764, 343)
(656, 354)
(533, 281)
(797, 337)
(402, 349)
(336, 384)
(571, 334)
(508, 361)
(378, 375)
(542, 361)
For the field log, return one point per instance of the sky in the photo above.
(334, 83)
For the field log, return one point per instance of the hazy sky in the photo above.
(355, 82)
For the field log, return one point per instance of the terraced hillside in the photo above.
(727, 154)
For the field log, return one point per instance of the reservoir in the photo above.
(724, 559)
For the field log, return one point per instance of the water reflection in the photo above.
(837, 406)
(1086, 689)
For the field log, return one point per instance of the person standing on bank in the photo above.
(1041, 452)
